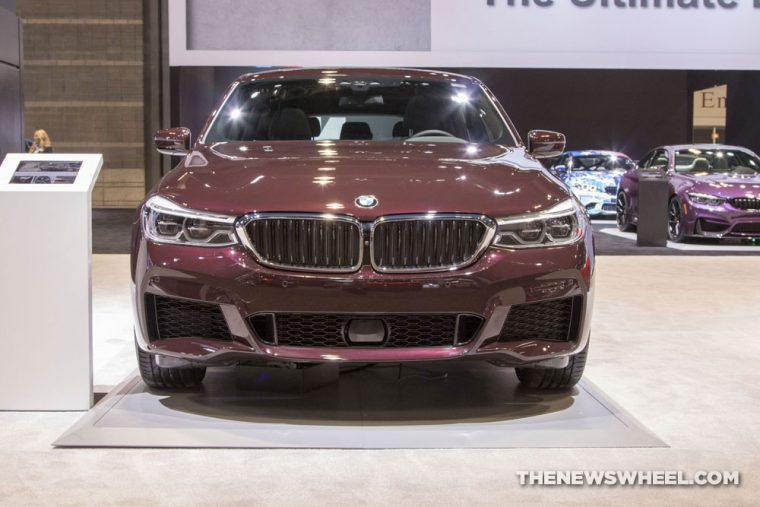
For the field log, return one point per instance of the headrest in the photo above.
(399, 130)
(433, 113)
(355, 130)
(315, 127)
(289, 124)
(701, 165)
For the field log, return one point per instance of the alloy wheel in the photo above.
(674, 220)
(621, 211)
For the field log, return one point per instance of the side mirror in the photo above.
(174, 141)
(560, 170)
(545, 143)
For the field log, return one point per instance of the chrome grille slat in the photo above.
(304, 242)
(404, 243)
(422, 243)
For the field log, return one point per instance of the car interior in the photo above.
(308, 110)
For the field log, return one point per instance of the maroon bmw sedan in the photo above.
(361, 216)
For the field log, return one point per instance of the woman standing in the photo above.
(41, 143)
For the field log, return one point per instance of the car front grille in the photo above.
(181, 318)
(555, 320)
(419, 243)
(747, 228)
(612, 190)
(745, 203)
(331, 330)
(306, 242)
(608, 206)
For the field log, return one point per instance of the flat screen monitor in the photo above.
(43, 172)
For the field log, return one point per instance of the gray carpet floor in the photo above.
(678, 359)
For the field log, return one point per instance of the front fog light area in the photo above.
(165, 221)
(559, 225)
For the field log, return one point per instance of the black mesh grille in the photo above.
(180, 318)
(311, 330)
(612, 190)
(420, 330)
(306, 242)
(549, 320)
(426, 244)
(404, 330)
(745, 203)
(747, 228)
(608, 206)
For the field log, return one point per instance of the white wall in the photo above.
(679, 34)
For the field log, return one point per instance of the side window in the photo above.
(660, 159)
(645, 160)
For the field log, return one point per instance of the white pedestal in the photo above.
(46, 298)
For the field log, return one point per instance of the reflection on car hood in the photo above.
(727, 185)
(328, 176)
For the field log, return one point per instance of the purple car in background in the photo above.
(714, 191)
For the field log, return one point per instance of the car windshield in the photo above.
(697, 161)
(366, 109)
(601, 162)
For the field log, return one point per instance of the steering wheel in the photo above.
(432, 132)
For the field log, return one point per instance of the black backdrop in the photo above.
(626, 110)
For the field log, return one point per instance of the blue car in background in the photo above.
(593, 176)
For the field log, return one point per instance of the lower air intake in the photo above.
(331, 330)
(181, 318)
(555, 320)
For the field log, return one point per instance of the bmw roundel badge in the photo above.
(366, 201)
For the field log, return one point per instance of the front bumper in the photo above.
(230, 278)
(598, 204)
(722, 221)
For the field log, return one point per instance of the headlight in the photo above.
(165, 221)
(705, 199)
(560, 225)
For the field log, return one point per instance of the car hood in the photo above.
(727, 185)
(328, 176)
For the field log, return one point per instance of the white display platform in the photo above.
(46, 301)
(428, 405)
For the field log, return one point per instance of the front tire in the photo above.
(554, 379)
(167, 378)
(676, 221)
(623, 213)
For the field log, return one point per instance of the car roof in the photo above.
(594, 153)
(327, 72)
(704, 146)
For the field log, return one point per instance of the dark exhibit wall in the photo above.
(627, 110)
(10, 80)
(624, 110)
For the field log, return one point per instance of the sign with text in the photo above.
(709, 120)
(46, 172)
(620, 34)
